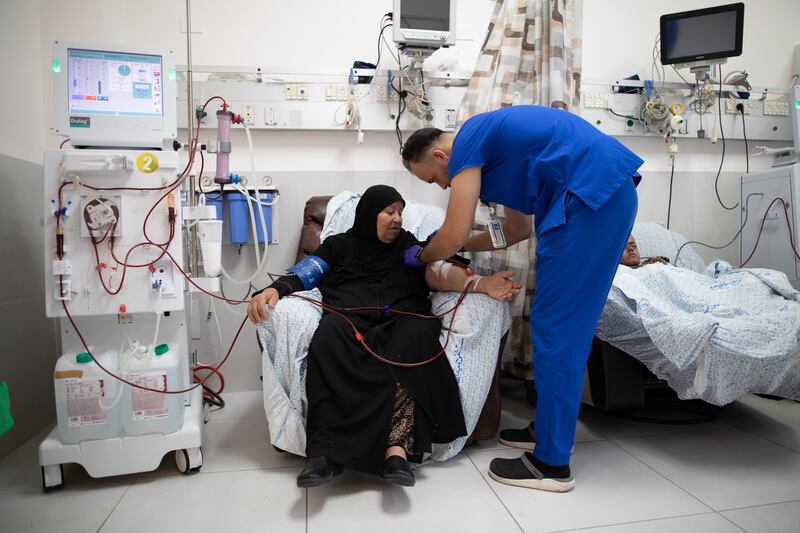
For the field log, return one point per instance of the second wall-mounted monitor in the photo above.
(426, 24)
(703, 35)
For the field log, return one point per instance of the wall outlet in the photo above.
(450, 118)
(730, 106)
(776, 108)
(62, 268)
(249, 114)
(290, 91)
(380, 93)
(270, 116)
(301, 92)
(592, 100)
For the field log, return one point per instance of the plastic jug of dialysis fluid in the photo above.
(151, 412)
(82, 389)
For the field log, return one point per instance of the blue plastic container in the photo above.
(216, 201)
(240, 217)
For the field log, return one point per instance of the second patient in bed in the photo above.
(631, 257)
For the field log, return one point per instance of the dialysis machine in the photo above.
(115, 249)
(768, 199)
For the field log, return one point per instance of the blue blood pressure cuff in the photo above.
(310, 270)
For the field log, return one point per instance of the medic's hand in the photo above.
(257, 309)
(500, 286)
(411, 256)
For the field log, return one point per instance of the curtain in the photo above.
(531, 55)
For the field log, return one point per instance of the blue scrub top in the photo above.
(531, 156)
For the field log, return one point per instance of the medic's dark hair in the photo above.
(418, 143)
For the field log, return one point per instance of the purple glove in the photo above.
(411, 256)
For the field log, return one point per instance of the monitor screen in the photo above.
(113, 83)
(712, 33)
(433, 15)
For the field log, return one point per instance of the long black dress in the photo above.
(350, 393)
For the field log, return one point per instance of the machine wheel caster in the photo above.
(52, 477)
(189, 460)
(206, 411)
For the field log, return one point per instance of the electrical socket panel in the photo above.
(450, 115)
(336, 92)
(290, 91)
(594, 100)
(249, 114)
(776, 108)
(730, 106)
(301, 91)
(270, 116)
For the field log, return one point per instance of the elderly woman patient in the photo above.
(363, 413)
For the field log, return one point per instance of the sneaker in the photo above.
(523, 438)
(530, 473)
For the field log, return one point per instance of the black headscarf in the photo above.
(365, 256)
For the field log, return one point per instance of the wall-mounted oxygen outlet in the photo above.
(162, 279)
(249, 114)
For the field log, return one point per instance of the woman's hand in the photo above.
(257, 309)
(500, 286)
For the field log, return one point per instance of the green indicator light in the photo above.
(797, 104)
(56, 64)
(171, 74)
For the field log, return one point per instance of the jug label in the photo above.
(83, 402)
(148, 405)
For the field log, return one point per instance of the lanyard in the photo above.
(495, 227)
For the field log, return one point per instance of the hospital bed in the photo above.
(711, 333)
(473, 351)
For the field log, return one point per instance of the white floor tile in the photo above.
(82, 505)
(702, 523)
(242, 444)
(248, 404)
(775, 421)
(615, 427)
(256, 500)
(726, 468)
(778, 518)
(611, 487)
(449, 496)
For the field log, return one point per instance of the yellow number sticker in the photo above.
(147, 163)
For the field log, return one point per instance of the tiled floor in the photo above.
(740, 473)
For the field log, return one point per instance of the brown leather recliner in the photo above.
(313, 218)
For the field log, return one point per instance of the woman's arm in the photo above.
(257, 309)
(443, 276)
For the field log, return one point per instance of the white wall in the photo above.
(618, 40)
(618, 36)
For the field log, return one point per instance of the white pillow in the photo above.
(653, 240)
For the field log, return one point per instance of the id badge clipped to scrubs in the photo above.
(496, 229)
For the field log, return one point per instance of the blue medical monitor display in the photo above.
(112, 83)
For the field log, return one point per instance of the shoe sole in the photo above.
(521, 445)
(547, 484)
(403, 481)
(307, 484)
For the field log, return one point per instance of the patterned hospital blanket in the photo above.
(715, 335)
(472, 349)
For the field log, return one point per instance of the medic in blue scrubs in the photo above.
(579, 184)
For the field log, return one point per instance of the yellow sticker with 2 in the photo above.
(147, 163)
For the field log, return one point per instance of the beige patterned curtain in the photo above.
(532, 55)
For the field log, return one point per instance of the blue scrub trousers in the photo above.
(576, 264)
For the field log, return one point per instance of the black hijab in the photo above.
(364, 255)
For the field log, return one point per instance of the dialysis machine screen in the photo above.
(117, 84)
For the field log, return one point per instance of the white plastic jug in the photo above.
(81, 389)
(151, 412)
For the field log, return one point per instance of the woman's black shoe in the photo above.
(398, 471)
(318, 471)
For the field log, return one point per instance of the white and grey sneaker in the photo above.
(530, 473)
